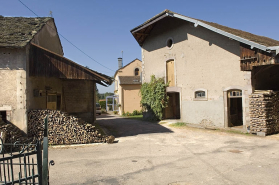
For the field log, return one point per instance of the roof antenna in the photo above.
(50, 13)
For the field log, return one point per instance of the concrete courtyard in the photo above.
(149, 153)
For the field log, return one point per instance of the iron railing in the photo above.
(21, 163)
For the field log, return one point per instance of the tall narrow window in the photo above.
(137, 72)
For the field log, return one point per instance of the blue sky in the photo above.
(102, 28)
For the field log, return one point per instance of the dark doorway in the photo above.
(235, 108)
(3, 114)
(173, 109)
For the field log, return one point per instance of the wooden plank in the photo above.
(170, 73)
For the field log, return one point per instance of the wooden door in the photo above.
(170, 73)
(52, 101)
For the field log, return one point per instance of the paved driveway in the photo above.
(148, 153)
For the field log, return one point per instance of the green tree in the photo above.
(154, 97)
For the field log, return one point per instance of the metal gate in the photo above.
(21, 163)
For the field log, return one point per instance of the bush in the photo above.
(103, 103)
(115, 112)
(154, 97)
(135, 112)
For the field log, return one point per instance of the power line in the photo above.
(67, 39)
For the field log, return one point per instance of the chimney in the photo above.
(120, 63)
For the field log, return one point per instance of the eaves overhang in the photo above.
(141, 32)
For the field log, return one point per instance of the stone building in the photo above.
(35, 75)
(127, 86)
(212, 69)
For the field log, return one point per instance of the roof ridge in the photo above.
(261, 42)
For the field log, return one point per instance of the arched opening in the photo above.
(137, 72)
(235, 113)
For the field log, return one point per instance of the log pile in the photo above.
(264, 112)
(10, 133)
(63, 128)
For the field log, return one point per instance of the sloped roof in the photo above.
(125, 66)
(18, 31)
(141, 32)
(129, 80)
(49, 64)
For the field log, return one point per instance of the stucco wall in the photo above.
(48, 38)
(202, 59)
(13, 86)
(131, 98)
(129, 70)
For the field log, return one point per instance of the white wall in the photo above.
(203, 59)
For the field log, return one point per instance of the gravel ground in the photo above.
(149, 153)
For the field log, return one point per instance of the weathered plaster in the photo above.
(203, 59)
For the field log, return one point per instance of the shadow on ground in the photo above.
(122, 127)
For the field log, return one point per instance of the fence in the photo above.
(21, 163)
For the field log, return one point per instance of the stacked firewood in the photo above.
(63, 128)
(11, 134)
(264, 112)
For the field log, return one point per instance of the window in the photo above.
(235, 94)
(169, 43)
(137, 72)
(200, 94)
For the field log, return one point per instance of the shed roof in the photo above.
(129, 80)
(49, 64)
(264, 43)
(18, 31)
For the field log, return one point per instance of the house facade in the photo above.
(210, 68)
(35, 75)
(127, 86)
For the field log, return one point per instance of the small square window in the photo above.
(200, 94)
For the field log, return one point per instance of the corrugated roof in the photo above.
(18, 31)
(141, 35)
(125, 80)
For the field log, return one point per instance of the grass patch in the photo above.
(235, 132)
(178, 124)
(138, 117)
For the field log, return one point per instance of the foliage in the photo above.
(134, 113)
(154, 97)
(104, 95)
(103, 103)
(115, 112)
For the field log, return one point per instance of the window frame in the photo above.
(200, 98)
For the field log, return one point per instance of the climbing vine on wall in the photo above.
(154, 97)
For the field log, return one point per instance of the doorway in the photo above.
(170, 73)
(235, 113)
(172, 111)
